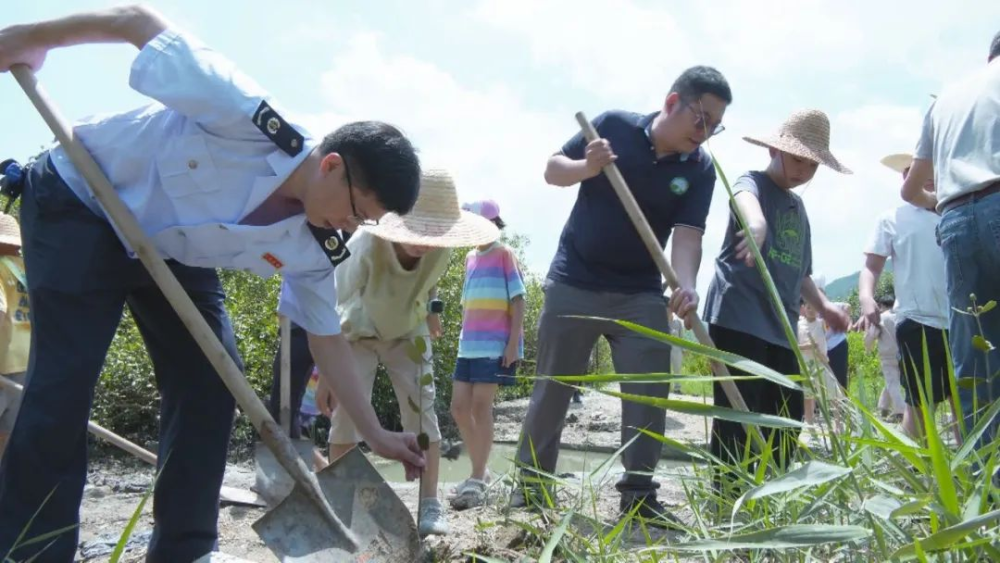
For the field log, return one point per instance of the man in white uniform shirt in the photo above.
(218, 178)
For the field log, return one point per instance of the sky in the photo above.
(488, 88)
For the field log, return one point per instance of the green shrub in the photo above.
(127, 402)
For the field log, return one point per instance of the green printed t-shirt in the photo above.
(736, 298)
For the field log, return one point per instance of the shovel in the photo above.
(656, 252)
(367, 504)
(294, 529)
(307, 487)
(272, 482)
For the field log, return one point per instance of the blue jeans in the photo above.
(969, 235)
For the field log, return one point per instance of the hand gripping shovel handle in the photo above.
(127, 225)
(653, 246)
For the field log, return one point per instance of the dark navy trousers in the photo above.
(79, 280)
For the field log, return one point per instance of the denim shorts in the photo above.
(484, 370)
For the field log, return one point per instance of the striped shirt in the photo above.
(492, 280)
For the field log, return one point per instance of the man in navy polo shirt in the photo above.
(602, 269)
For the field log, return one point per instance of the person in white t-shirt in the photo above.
(907, 235)
(890, 401)
(812, 341)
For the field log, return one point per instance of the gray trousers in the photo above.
(564, 347)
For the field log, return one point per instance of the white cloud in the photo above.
(870, 65)
(614, 49)
(486, 137)
(767, 39)
(779, 56)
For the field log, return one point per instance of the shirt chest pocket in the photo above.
(185, 167)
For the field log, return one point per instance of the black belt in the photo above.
(971, 197)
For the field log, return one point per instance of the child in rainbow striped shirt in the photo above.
(491, 343)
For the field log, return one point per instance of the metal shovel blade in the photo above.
(295, 531)
(271, 480)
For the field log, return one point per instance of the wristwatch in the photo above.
(435, 306)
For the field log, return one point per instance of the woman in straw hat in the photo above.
(387, 301)
(15, 323)
(738, 310)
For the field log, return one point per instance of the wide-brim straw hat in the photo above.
(898, 162)
(10, 232)
(437, 219)
(805, 134)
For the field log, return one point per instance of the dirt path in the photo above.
(596, 424)
(115, 488)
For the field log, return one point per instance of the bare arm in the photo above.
(516, 321)
(335, 360)
(510, 351)
(812, 295)
(564, 171)
(434, 319)
(749, 207)
(921, 172)
(833, 315)
(867, 280)
(685, 256)
(29, 43)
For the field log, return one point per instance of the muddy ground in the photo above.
(115, 488)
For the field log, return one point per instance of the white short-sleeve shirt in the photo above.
(961, 135)
(907, 235)
(194, 164)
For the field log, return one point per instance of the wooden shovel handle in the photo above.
(285, 373)
(128, 226)
(98, 430)
(653, 246)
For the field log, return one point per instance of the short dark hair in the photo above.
(499, 222)
(696, 81)
(381, 159)
(995, 46)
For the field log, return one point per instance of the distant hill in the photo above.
(840, 289)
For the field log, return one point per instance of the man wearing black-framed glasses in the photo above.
(359, 219)
(272, 204)
(602, 269)
(702, 121)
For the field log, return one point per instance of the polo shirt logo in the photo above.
(272, 260)
(679, 185)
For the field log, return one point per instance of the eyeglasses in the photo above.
(701, 120)
(363, 221)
